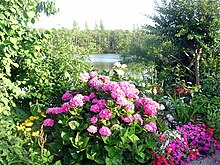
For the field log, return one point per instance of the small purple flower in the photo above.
(95, 82)
(105, 79)
(129, 106)
(48, 122)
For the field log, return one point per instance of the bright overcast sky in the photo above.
(115, 14)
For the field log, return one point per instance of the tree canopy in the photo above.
(192, 27)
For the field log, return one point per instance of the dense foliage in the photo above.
(192, 27)
(28, 74)
(95, 41)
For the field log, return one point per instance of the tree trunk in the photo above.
(198, 53)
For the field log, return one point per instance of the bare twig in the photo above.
(42, 139)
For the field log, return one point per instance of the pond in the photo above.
(104, 61)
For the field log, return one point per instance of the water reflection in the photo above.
(104, 61)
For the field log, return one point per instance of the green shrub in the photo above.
(209, 111)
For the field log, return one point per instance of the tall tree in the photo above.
(101, 25)
(75, 25)
(192, 26)
(86, 26)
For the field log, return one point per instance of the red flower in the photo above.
(182, 86)
(210, 131)
(179, 91)
(159, 158)
(161, 138)
(159, 163)
(154, 162)
(153, 155)
(188, 92)
(193, 157)
(165, 162)
(162, 157)
(168, 149)
(171, 159)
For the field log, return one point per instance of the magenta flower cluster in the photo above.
(198, 136)
(48, 122)
(194, 140)
(96, 99)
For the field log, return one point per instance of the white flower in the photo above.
(154, 91)
(120, 72)
(170, 117)
(123, 66)
(117, 64)
(161, 107)
(143, 84)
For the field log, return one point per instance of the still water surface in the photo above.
(104, 61)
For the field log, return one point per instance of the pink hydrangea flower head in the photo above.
(116, 93)
(149, 110)
(105, 114)
(84, 77)
(129, 89)
(122, 101)
(95, 82)
(150, 127)
(92, 129)
(105, 131)
(127, 119)
(65, 108)
(105, 79)
(48, 122)
(92, 95)
(67, 96)
(101, 103)
(86, 98)
(94, 120)
(129, 106)
(150, 107)
(55, 110)
(95, 100)
(94, 108)
(93, 74)
(138, 117)
(141, 101)
(77, 100)
(110, 86)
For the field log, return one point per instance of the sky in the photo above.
(115, 14)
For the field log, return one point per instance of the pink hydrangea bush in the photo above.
(107, 112)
